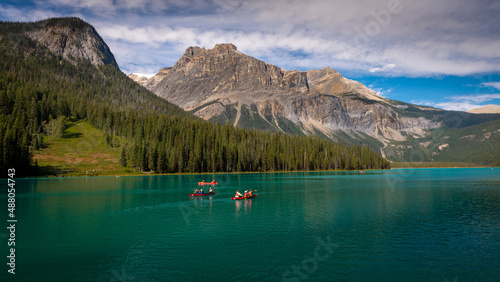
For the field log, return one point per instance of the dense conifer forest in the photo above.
(40, 92)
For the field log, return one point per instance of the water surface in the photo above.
(398, 225)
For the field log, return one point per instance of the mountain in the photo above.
(61, 87)
(71, 38)
(488, 109)
(224, 85)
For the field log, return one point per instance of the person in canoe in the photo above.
(196, 191)
(250, 193)
(211, 190)
(246, 194)
(238, 194)
(201, 191)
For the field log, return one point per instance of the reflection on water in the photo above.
(246, 205)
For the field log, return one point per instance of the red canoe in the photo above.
(204, 194)
(208, 183)
(243, 198)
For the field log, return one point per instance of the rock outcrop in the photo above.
(73, 39)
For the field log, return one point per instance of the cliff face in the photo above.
(225, 85)
(71, 38)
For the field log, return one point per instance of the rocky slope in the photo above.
(72, 38)
(225, 85)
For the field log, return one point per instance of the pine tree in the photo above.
(123, 156)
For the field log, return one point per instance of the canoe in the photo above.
(204, 194)
(208, 183)
(244, 198)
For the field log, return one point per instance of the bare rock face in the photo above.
(72, 38)
(225, 85)
(488, 109)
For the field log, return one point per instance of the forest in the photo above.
(40, 91)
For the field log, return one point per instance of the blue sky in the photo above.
(443, 53)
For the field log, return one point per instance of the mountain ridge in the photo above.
(224, 85)
(212, 82)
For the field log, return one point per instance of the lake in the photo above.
(396, 225)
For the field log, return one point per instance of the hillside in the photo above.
(224, 85)
(81, 151)
(41, 89)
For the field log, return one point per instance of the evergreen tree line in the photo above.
(169, 144)
(39, 90)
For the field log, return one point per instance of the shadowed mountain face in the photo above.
(222, 84)
(227, 86)
(71, 38)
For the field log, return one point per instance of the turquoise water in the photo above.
(398, 225)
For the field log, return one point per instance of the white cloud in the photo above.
(480, 98)
(14, 14)
(421, 38)
(384, 68)
(460, 103)
(491, 84)
(456, 106)
(382, 92)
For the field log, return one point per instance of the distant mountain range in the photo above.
(224, 85)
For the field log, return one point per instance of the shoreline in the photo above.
(249, 172)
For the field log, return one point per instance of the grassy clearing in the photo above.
(81, 152)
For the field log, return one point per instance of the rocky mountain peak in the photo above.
(225, 85)
(194, 51)
(225, 47)
(71, 38)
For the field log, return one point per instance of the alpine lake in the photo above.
(395, 225)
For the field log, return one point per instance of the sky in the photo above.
(440, 53)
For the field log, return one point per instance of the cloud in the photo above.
(491, 84)
(456, 106)
(460, 103)
(19, 15)
(421, 38)
(384, 68)
(148, 7)
(382, 92)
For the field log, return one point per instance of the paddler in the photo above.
(210, 191)
(201, 191)
(246, 194)
(238, 194)
(250, 193)
(196, 191)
